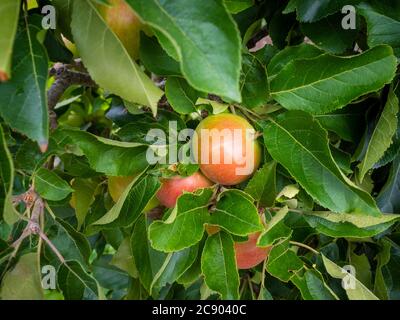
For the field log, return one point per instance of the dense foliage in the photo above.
(79, 213)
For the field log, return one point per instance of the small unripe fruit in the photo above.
(248, 255)
(126, 25)
(226, 149)
(172, 188)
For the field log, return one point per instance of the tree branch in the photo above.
(65, 76)
(31, 198)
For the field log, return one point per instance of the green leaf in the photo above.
(383, 258)
(265, 54)
(194, 272)
(109, 277)
(219, 266)
(236, 213)
(174, 266)
(72, 244)
(29, 157)
(329, 82)
(388, 199)
(264, 294)
(77, 166)
(131, 203)
(283, 263)
(386, 285)
(50, 186)
(184, 227)
(236, 6)
(328, 34)
(393, 150)
(216, 107)
(150, 259)
(56, 49)
(138, 128)
(123, 259)
(64, 13)
(300, 144)
(6, 181)
(348, 123)
(382, 136)
(313, 287)
(157, 269)
(362, 267)
(155, 59)
(181, 27)
(23, 103)
(310, 11)
(75, 283)
(253, 82)
(262, 186)
(23, 281)
(113, 158)
(83, 197)
(123, 76)
(276, 230)
(382, 29)
(358, 291)
(136, 291)
(285, 56)
(342, 159)
(9, 11)
(340, 225)
(181, 96)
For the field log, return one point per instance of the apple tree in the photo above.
(107, 190)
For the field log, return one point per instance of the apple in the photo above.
(173, 187)
(74, 117)
(248, 255)
(117, 186)
(124, 22)
(226, 148)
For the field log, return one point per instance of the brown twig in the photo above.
(32, 199)
(28, 198)
(43, 236)
(65, 75)
(156, 213)
(33, 226)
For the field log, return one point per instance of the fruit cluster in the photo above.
(240, 148)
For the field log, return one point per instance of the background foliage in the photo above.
(324, 99)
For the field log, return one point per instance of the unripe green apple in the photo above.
(117, 186)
